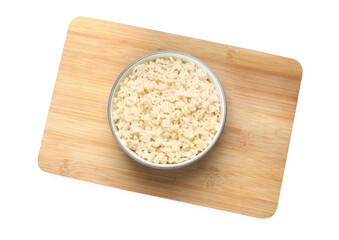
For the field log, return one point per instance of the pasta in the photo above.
(166, 110)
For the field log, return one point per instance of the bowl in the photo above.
(185, 57)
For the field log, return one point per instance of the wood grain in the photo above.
(244, 171)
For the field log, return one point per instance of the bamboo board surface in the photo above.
(242, 173)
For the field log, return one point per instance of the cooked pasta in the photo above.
(167, 111)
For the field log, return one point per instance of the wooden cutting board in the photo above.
(243, 172)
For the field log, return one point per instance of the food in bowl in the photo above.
(166, 110)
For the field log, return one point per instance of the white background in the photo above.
(37, 205)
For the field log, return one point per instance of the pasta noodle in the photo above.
(167, 111)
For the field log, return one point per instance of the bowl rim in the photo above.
(132, 154)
